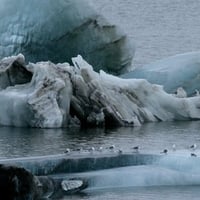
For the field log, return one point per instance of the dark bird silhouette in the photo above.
(136, 149)
(79, 149)
(112, 147)
(120, 151)
(67, 150)
(193, 155)
(164, 151)
(193, 147)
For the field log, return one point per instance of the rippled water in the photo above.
(159, 28)
(151, 137)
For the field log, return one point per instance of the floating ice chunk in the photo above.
(177, 71)
(36, 96)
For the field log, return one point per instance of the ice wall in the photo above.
(58, 30)
(73, 163)
(115, 170)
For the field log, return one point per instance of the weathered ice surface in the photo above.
(182, 70)
(81, 162)
(69, 27)
(47, 95)
(103, 98)
(35, 96)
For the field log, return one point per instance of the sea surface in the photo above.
(158, 28)
(151, 137)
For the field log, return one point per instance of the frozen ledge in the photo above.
(48, 95)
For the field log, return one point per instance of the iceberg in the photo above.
(58, 30)
(181, 70)
(48, 95)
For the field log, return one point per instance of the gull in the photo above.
(174, 147)
(120, 151)
(91, 149)
(193, 147)
(197, 92)
(112, 147)
(100, 149)
(79, 149)
(136, 148)
(164, 151)
(67, 150)
(181, 93)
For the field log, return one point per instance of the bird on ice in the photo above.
(197, 92)
(164, 151)
(91, 149)
(193, 147)
(112, 147)
(181, 93)
(67, 150)
(100, 149)
(193, 155)
(80, 149)
(174, 147)
(136, 149)
(120, 151)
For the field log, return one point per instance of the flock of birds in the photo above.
(134, 149)
(193, 147)
(111, 148)
(181, 93)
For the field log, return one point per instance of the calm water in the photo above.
(159, 28)
(151, 137)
